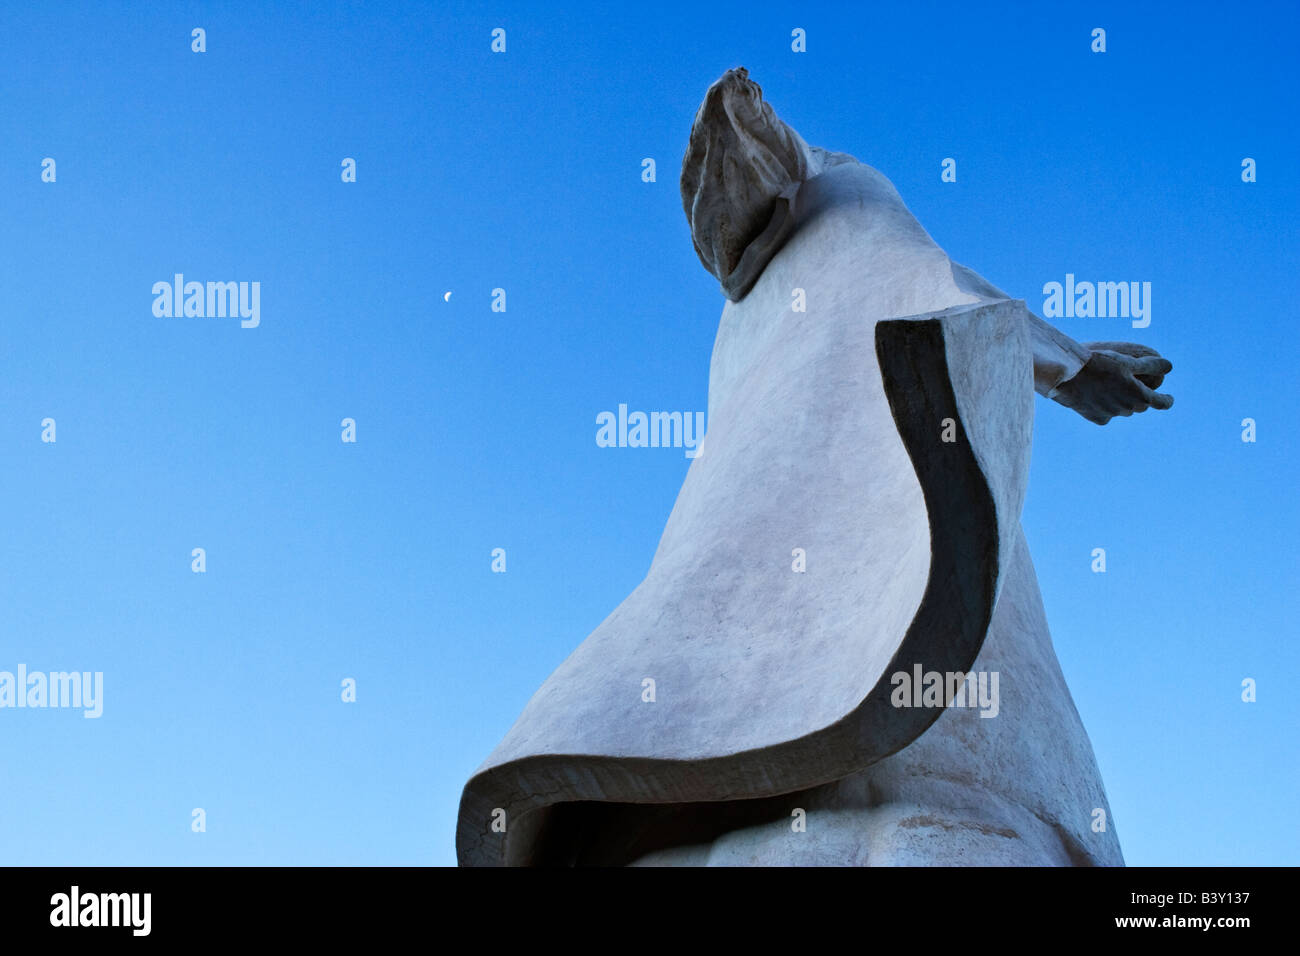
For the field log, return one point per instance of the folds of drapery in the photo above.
(894, 456)
(850, 516)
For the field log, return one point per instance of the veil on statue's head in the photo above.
(742, 168)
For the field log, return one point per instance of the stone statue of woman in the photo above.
(839, 654)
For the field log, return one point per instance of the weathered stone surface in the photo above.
(826, 433)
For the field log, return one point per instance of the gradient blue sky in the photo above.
(476, 429)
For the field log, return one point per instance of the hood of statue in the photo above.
(741, 173)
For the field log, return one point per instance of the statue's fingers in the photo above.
(1131, 349)
(1152, 365)
(1156, 399)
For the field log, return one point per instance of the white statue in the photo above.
(839, 653)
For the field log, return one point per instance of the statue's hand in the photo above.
(1119, 379)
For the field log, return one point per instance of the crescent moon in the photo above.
(446, 297)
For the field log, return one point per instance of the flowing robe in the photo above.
(770, 736)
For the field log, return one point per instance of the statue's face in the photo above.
(740, 158)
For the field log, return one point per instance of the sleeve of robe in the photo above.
(1057, 357)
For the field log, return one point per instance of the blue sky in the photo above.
(475, 429)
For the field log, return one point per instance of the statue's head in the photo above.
(740, 159)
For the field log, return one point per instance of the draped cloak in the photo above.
(884, 434)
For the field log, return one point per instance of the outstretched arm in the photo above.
(1099, 380)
